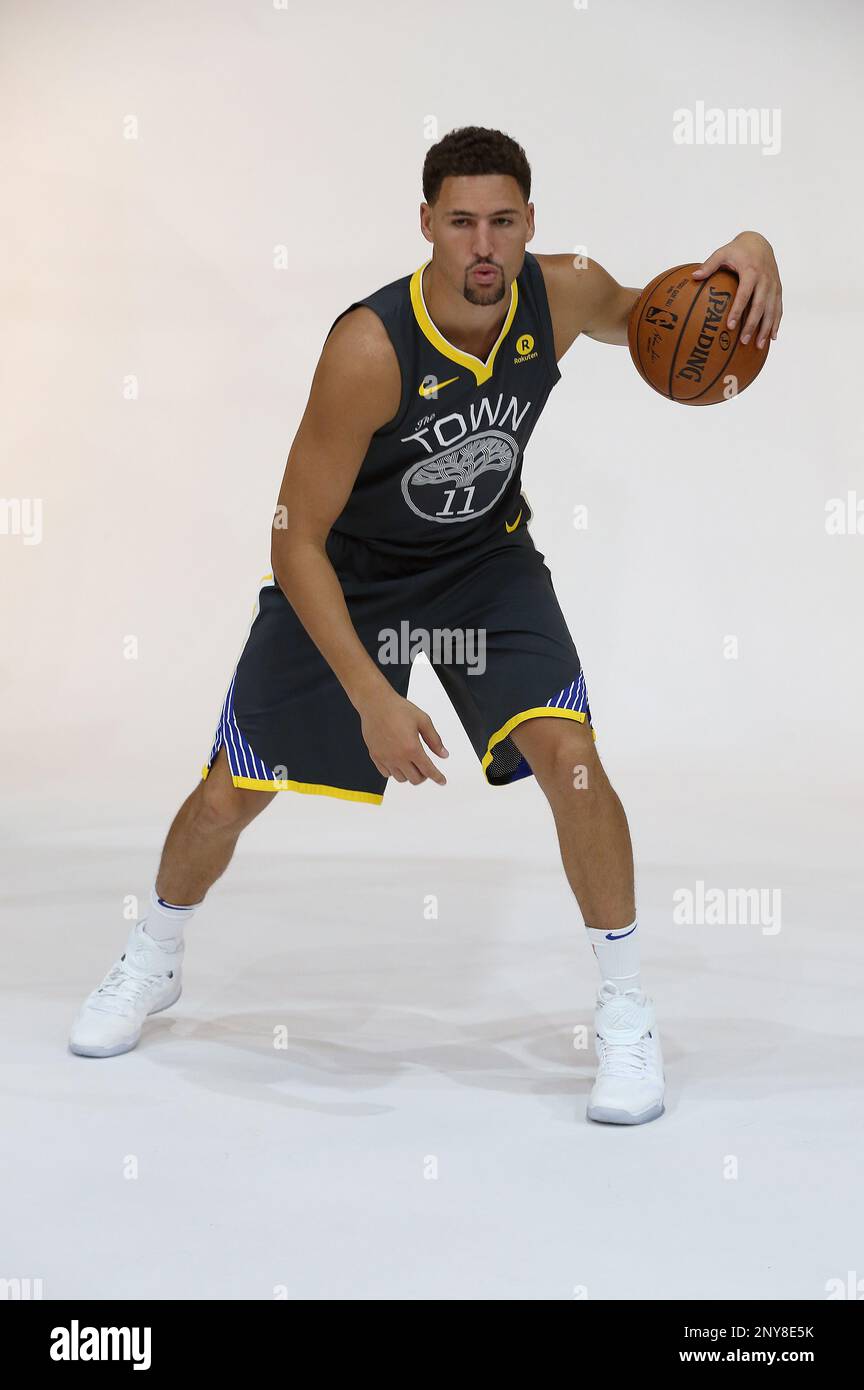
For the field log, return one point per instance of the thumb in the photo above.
(708, 267)
(431, 736)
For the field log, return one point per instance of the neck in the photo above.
(470, 327)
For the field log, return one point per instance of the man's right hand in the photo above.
(392, 728)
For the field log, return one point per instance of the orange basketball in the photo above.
(680, 343)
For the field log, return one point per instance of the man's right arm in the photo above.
(356, 389)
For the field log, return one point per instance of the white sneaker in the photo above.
(628, 1089)
(145, 980)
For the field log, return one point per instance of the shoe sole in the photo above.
(605, 1116)
(82, 1050)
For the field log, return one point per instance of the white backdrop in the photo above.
(160, 162)
(152, 258)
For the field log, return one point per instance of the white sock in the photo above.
(617, 955)
(165, 921)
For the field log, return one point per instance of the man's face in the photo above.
(479, 226)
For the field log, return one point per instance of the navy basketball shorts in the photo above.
(494, 634)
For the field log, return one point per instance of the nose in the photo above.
(482, 247)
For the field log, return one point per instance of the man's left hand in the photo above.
(752, 258)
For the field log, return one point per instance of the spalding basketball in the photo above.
(680, 343)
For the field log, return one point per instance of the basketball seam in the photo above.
(648, 291)
(722, 369)
(681, 335)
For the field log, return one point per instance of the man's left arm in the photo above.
(590, 301)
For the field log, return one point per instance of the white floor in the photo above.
(709, 566)
(422, 1134)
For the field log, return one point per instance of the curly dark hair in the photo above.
(472, 149)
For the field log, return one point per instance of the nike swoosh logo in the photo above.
(611, 937)
(432, 389)
(515, 523)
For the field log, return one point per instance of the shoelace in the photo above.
(623, 1059)
(121, 988)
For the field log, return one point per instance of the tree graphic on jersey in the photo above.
(462, 467)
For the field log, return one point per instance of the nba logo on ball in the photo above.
(663, 318)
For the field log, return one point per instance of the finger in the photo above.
(411, 773)
(398, 774)
(778, 317)
(759, 331)
(432, 737)
(428, 768)
(741, 300)
(767, 321)
(383, 770)
(753, 318)
(708, 267)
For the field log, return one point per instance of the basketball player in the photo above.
(402, 503)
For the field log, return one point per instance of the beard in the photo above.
(484, 294)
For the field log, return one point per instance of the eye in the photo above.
(506, 220)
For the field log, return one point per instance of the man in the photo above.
(401, 510)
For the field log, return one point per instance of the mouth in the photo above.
(485, 273)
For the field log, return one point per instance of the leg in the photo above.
(201, 841)
(593, 835)
(598, 860)
(148, 976)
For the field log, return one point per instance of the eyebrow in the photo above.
(462, 212)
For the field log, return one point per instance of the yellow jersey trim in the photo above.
(285, 784)
(545, 710)
(482, 370)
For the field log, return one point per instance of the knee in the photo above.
(563, 757)
(223, 807)
(575, 765)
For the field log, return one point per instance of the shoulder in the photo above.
(565, 294)
(579, 292)
(572, 279)
(360, 331)
(553, 264)
(358, 361)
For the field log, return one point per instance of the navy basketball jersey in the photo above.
(445, 472)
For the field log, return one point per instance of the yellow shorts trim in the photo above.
(285, 784)
(546, 711)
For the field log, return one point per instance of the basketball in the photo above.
(680, 343)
